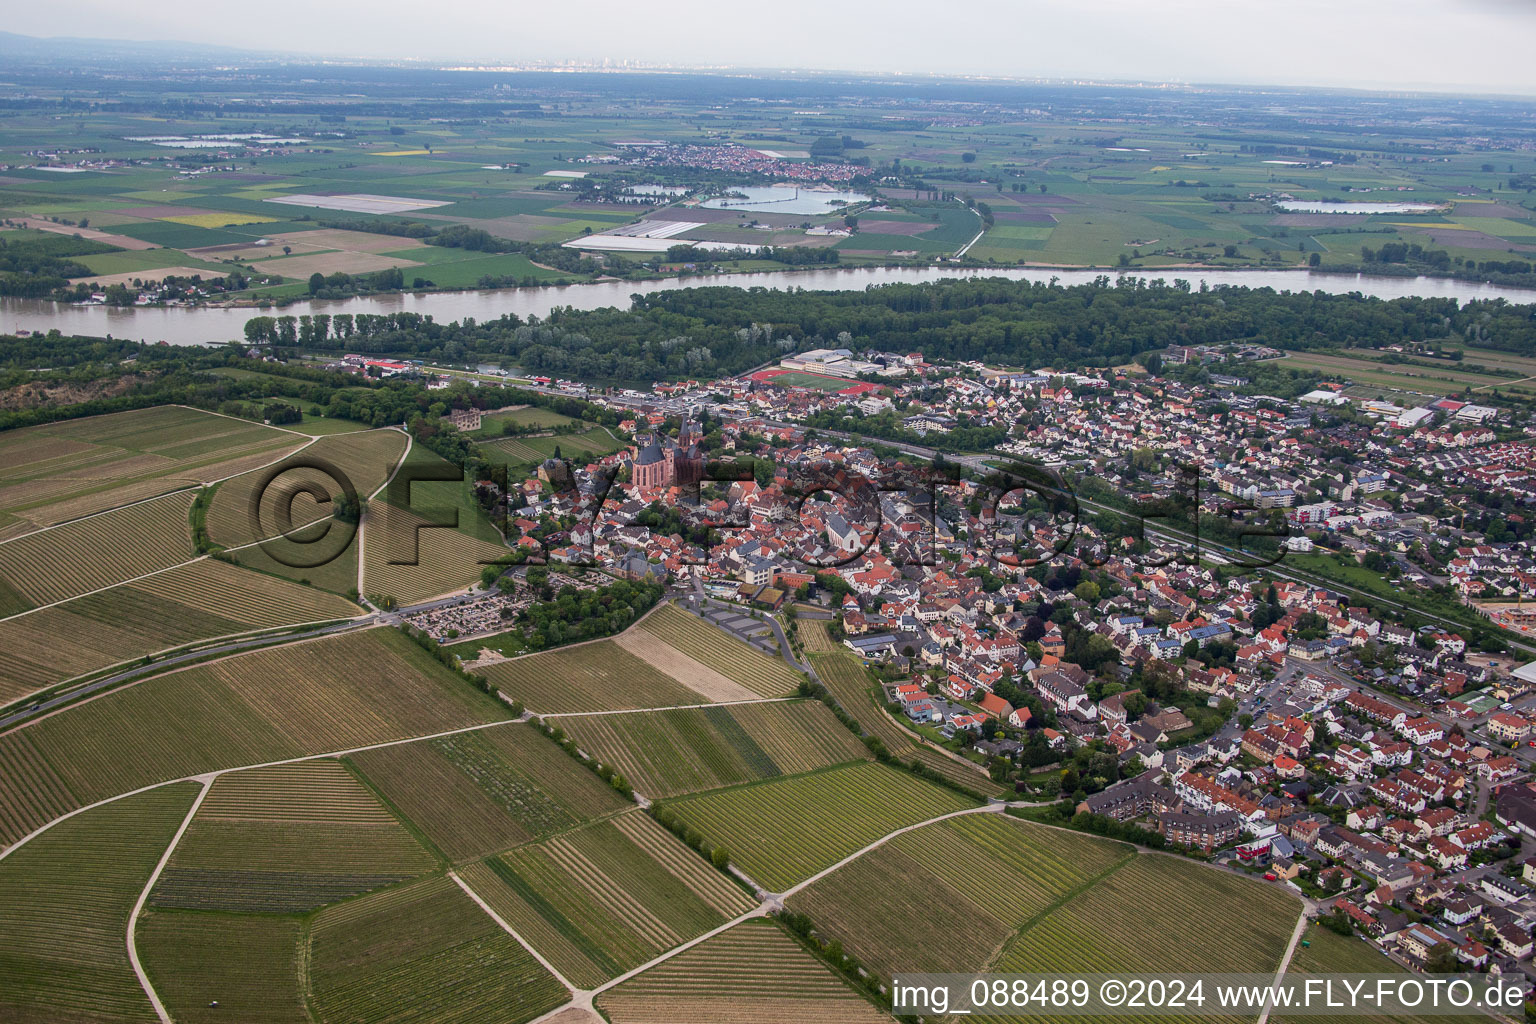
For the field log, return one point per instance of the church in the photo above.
(664, 462)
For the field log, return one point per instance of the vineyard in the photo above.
(599, 676)
(196, 601)
(813, 633)
(62, 471)
(287, 838)
(423, 952)
(785, 830)
(887, 905)
(1328, 953)
(1224, 923)
(246, 963)
(753, 972)
(407, 559)
(666, 753)
(525, 451)
(366, 458)
(764, 675)
(330, 694)
(476, 793)
(698, 677)
(844, 677)
(65, 899)
(607, 897)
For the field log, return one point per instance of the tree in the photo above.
(1087, 591)
(316, 282)
(1315, 260)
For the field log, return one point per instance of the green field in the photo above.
(335, 693)
(599, 676)
(246, 963)
(976, 880)
(784, 830)
(166, 610)
(422, 952)
(476, 793)
(753, 972)
(287, 839)
(763, 674)
(65, 900)
(607, 897)
(667, 753)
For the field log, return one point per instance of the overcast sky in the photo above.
(1458, 45)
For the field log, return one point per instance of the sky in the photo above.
(1430, 45)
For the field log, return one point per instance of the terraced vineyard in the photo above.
(475, 793)
(753, 972)
(975, 880)
(287, 838)
(1226, 923)
(246, 963)
(665, 753)
(200, 600)
(423, 952)
(607, 897)
(65, 899)
(79, 557)
(62, 471)
(783, 831)
(764, 675)
(843, 676)
(599, 676)
(334, 693)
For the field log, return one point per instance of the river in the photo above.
(207, 324)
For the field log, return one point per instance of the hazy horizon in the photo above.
(1477, 46)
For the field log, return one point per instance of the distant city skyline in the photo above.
(1394, 45)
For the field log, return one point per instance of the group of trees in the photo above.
(575, 614)
(726, 330)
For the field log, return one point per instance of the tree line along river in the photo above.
(196, 325)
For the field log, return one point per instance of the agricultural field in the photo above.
(1228, 924)
(77, 558)
(287, 839)
(813, 634)
(782, 831)
(246, 963)
(976, 880)
(844, 677)
(598, 676)
(65, 900)
(764, 675)
(422, 952)
(474, 793)
(668, 753)
(1329, 953)
(579, 448)
(335, 693)
(752, 972)
(365, 457)
(406, 557)
(607, 897)
(197, 601)
(61, 471)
